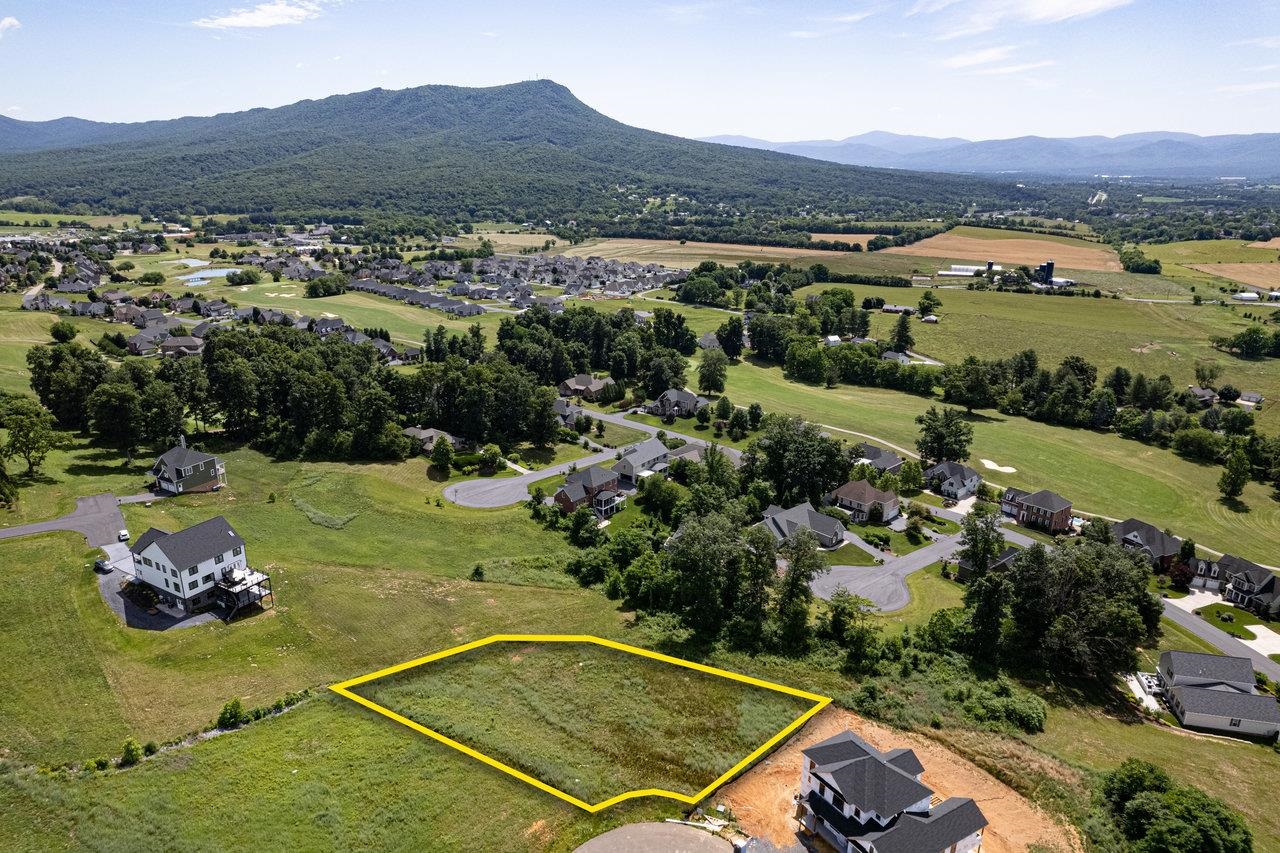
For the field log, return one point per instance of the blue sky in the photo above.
(795, 70)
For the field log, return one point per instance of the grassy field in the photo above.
(591, 721)
(1101, 473)
(1213, 263)
(849, 554)
(78, 469)
(21, 330)
(1147, 337)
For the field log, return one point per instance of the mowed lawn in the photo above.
(20, 330)
(1147, 337)
(592, 721)
(1101, 473)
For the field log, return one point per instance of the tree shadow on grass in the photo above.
(1234, 505)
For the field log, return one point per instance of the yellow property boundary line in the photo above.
(343, 689)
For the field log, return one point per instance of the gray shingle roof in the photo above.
(783, 523)
(1207, 667)
(591, 478)
(179, 457)
(194, 545)
(1136, 532)
(950, 822)
(1047, 500)
(860, 773)
(1256, 707)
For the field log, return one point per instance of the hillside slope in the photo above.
(526, 149)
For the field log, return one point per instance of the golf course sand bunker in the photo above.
(1003, 469)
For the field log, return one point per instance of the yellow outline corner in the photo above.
(821, 702)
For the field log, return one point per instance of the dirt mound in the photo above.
(762, 798)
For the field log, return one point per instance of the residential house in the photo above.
(567, 413)
(861, 800)
(179, 346)
(1217, 693)
(783, 524)
(1204, 397)
(427, 438)
(146, 342)
(594, 487)
(676, 403)
(585, 385)
(183, 469)
(953, 480)
(639, 460)
(1043, 510)
(964, 568)
(709, 341)
(1252, 399)
(698, 452)
(199, 567)
(899, 357)
(864, 501)
(1250, 586)
(884, 461)
(1160, 548)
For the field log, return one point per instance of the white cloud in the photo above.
(1269, 42)
(979, 57)
(8, 22)
(1250, 88)
(1015, 69)
(971, 17)
(852, 17)
(277, 13)
(833, 25)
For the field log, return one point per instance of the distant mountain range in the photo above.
(525, 150)
(1158, 154)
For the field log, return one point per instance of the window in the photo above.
(1235, 724)
(166, 583)
(146, 561)
(207, 579)
(238, 551)
(173, 571)
(218, 559)
(193, 584)
(192, 571)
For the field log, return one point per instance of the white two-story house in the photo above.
(860, 800)
(198, 567)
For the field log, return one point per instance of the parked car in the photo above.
(102, 566)
(123, 536)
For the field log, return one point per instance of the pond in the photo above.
(204, 275)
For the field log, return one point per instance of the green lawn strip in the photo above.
(930, 592)
(616, 435)
(591, 721)
(536, 458)
(691, 427)
(1100, 473)
(328, 774)
(1241, 620)
(78, 469)
(849, 554)
(899, 544)
(1173, 638)
(1159, 584)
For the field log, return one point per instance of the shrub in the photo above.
(232, 715)
(130, 753)
(101, 763)
(150, 748)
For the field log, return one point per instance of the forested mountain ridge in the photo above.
(522, 150)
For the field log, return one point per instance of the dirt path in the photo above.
(762, 799)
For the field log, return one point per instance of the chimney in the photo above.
(182, 441)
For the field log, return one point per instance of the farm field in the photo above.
(1273, 243)
(673, 253)
(591, 721)
(510, 242)
(1013, 247)
(1150, 337)
(847, 238)
(1101, 473)
(1265, 276)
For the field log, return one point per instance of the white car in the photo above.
(123, 535)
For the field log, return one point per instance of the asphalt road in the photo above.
(486, 492)
(97, 518)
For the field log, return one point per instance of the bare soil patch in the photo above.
(1265, 276)
(1086, 256)
(762, 799)
(1273, 243)
(847, 238)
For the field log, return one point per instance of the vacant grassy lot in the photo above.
(21, 330)
(1101, 473)
(1013, 247)
(674, 253)
(78, 469)
(591, 721)
(930, 592)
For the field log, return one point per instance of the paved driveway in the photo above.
(1221, 640)
(885, 585)
(97, 518)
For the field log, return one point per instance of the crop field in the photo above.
(591, 721)
(847, 238)
(1013, 247)
(673, 253)
(1273, 243)
(510, 242)
(1101, 473)
(1265, 275)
